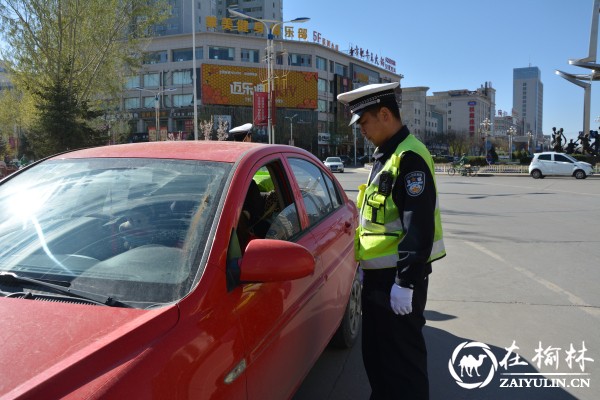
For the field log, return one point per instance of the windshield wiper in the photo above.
(93, 297)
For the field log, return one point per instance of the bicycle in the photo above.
(464, 170)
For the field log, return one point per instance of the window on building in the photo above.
(341, 70)
(322, 106)
(321, 63)
(187, 55)
(331, 66)
(132, 82)
(221, 53)
(131, 103)
(152, 80)
(182, 77)
(250, 55)
(322, 85)
(300, 60)
(183, 100)
(156, 57)
(149, 102)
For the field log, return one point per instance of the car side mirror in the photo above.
(271, 260)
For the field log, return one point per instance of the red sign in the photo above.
(260, 114)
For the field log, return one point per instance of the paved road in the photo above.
(523, 267)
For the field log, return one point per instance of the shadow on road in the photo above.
(339, 374)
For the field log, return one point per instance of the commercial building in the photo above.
(466, 112)
(231, 73)
(528, 100)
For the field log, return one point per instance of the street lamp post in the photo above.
(486, 127)
(529, 137)
(157, 94)
(291, 128)
(269, 25)
(511, 132)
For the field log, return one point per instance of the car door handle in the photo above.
(348, 227)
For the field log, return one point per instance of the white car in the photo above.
(334, 164)
(552, 163)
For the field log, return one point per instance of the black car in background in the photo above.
(346, 160)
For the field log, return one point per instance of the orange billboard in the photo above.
(232, 85)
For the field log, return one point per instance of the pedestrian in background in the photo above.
(398, 237)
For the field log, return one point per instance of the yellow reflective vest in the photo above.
(380, 228)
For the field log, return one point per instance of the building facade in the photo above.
(231, 72)
(466, 112)
(210, 13)
(528, 99)
(424, 120)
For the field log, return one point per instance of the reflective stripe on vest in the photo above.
(380, 229)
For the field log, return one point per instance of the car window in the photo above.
(127, 228)
(268, 212)
(334, 193)
(333, 159)
(561, 158)
(544, 157)
(315, 193)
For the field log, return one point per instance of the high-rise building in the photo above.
(215, 10)
(528, 99)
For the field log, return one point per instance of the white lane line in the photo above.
(573, 299)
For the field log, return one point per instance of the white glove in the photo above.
(401, 299)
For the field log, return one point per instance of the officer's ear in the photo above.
(385, 114)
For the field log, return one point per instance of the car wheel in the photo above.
(347, 332)
(579, 174)
(536, 174)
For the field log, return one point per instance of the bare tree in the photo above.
(72, 55)
(222, 129)
(207, 127)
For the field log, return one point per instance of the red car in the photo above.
(173, 270)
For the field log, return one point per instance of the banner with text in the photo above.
(232, 85)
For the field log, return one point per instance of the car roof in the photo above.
(209, 150)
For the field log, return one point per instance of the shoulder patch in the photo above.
(415, 183)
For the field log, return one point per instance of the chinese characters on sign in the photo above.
(244, 26)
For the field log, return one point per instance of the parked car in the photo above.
(173, 270)
(334, 164)
(552, 163)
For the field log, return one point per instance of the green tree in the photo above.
(71, 55)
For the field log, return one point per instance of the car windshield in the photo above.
(333, 159)
(132, 229)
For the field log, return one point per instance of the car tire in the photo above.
(579, 174)
(349, 328)
(536, 174)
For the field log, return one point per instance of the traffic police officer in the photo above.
(398, 237)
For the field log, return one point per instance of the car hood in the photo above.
(48, 345)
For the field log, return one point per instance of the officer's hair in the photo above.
(393, 107)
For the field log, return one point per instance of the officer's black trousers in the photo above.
(393, 346)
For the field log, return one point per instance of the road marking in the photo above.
(573, 299)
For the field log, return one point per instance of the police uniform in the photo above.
(399, 235)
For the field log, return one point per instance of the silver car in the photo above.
(552, 163)
(334, 164)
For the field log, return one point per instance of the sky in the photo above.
(461, 44)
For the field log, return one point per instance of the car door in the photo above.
(332, 220)
(562, 165)
(545, 164)
(277, 318)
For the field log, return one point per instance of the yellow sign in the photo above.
(232, 85)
